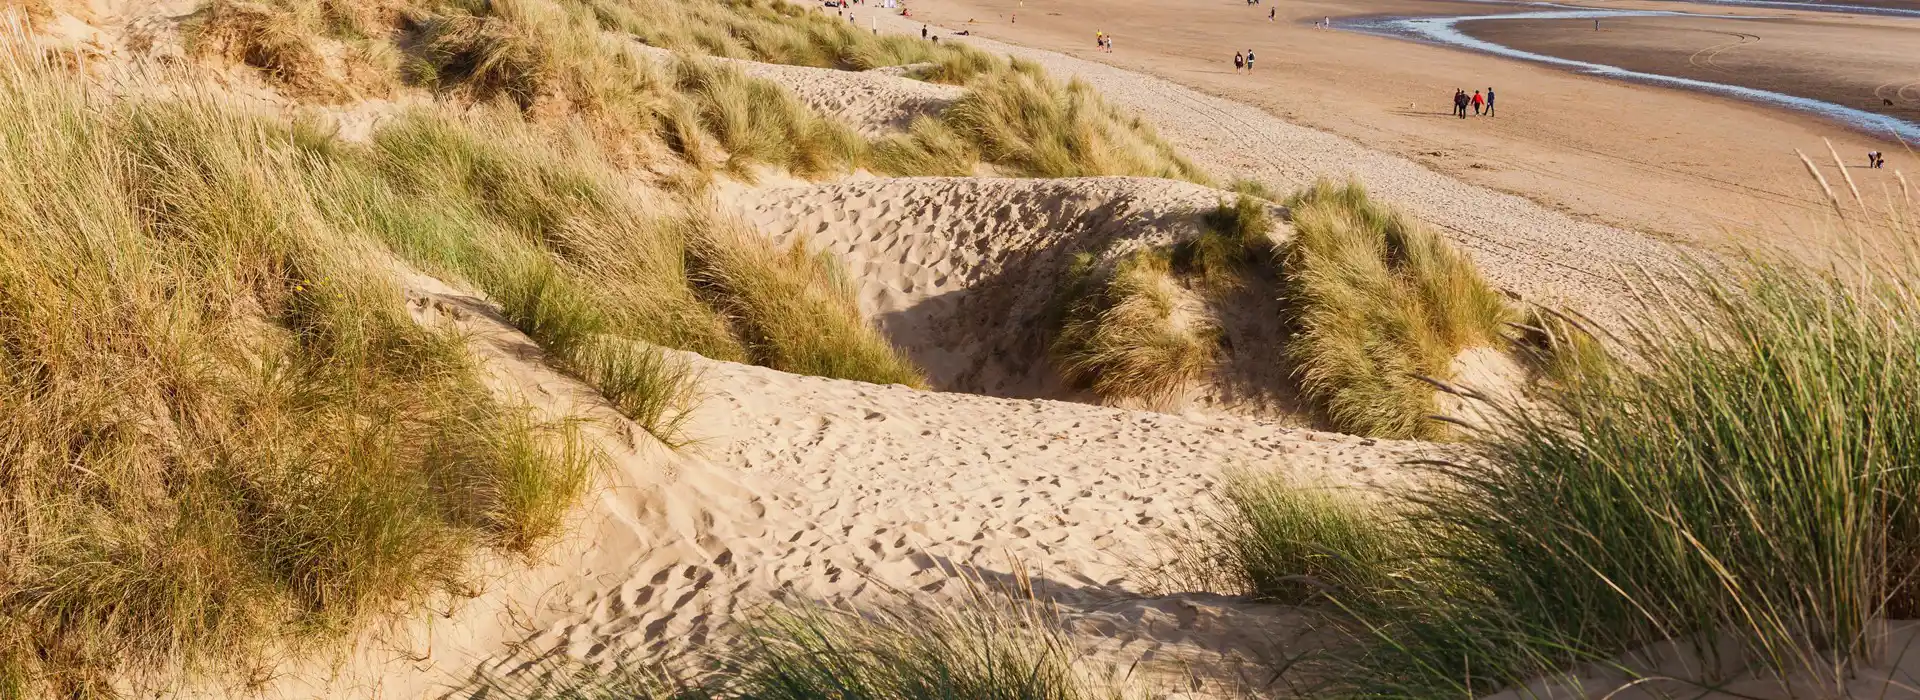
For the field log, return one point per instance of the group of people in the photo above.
(1104, 41)
(1243, 59)
(1876, 160)
(1477, 101)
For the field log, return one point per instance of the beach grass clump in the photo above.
(1233, 241)
(222, 431)
(1030, 125)
(778, 32)
(1558, 347)
(960, 64)
(928, 148)
(757, 121)
(545, 229)
(1008, 648)
(992, 644)
(1024, 121)
(587, 271)
(555, 65)
(1380, 303)
(1737, 489)
(1741, 479)
(273, 39)
(1282, 542)
(793, 310)
(1126, 333)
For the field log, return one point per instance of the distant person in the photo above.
(1109, 43)
(1270, 12)
(1249, 60)
(1239, 61)
(923, 31)
(1460, 103)
(1479, 101)
(1489, 101)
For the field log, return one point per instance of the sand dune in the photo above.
(837, 492)
(959, 271)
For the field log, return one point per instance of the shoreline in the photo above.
(1446, 31)
(1660, 163)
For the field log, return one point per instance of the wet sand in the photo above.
(1691, 167)
(1863, 63)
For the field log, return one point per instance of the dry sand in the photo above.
(837, 491)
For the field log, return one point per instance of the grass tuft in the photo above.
(222, 431)
(1127, 336)
(1559, 348)
(1008, 649)
(993, 644)
(757, 121)
(794, 311)
(1022, 120)
(267, 38)
(1379, 302)
(1285, 543)
(928, 148)
(1235, 236)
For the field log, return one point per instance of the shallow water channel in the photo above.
(1445, 30)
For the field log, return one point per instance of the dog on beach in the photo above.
(1886, 102)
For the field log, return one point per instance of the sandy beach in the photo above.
(1673, 164)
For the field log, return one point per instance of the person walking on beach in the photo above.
(1249, 60)
(1270, 14)
(1239, 61)
(1460, 103)
(923, 31)
(1478, 102)
(1489, 101)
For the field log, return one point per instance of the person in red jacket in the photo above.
(1479, 101)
